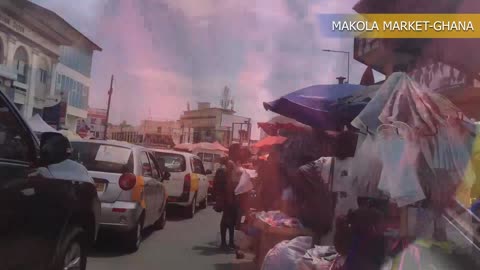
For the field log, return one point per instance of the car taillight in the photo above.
(127, 181)
(186, 183)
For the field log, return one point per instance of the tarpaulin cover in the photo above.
(37, 124)
(270, 141)
(317, 105)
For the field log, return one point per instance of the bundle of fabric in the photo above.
(279, 219)
(412, 135)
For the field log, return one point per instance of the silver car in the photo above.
(129, 183)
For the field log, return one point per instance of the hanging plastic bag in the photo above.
(245, 184)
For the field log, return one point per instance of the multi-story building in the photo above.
(30, 41)
(73, 80)
(32, 46)
(208, 124)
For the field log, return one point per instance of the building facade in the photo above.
(150, 133)
(34, 44)
(73, 80)
(29, 49)
(40, 63)
(208, 124)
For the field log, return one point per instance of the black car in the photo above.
(46, 221)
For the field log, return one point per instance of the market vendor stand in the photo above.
(269, 236)
(430, 162)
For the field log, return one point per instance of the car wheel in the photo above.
(192, 208)
(134, 237)
(73, 251)
(162, 221)
(204, 203)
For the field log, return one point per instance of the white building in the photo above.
(32, 46)
(73, 80)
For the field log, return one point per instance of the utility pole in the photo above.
(249, 131)
(110, 92)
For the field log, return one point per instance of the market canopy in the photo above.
(37, 124)
(318, 106)
(216, 146)
(270, 141)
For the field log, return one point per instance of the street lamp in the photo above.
(348, 63)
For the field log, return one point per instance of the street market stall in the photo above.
(412, 156)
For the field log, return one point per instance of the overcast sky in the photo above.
(165, 53)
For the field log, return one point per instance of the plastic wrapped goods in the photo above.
(286, 254)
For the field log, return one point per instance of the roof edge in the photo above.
(87, 39)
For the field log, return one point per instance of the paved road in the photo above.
(183, 244)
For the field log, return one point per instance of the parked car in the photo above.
(129, 183)
(49, 216)
(188, 185)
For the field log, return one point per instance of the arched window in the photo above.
(21, 64)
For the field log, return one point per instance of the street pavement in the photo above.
(182, 244)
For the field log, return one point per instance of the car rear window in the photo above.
(103, 157)
(173, 162)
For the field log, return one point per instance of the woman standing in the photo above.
(226, 180)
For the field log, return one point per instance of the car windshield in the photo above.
(102, 157)
(173, 162)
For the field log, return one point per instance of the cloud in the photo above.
(165, 53)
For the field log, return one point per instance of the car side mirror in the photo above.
(208, 172)
(54, 148)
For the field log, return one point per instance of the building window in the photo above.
(2, 55)
(21, 64)
(43, 76)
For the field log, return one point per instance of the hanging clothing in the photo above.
(346, 197)
(399, 178)
(366, 169)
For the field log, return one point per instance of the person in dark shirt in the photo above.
(226, 179)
